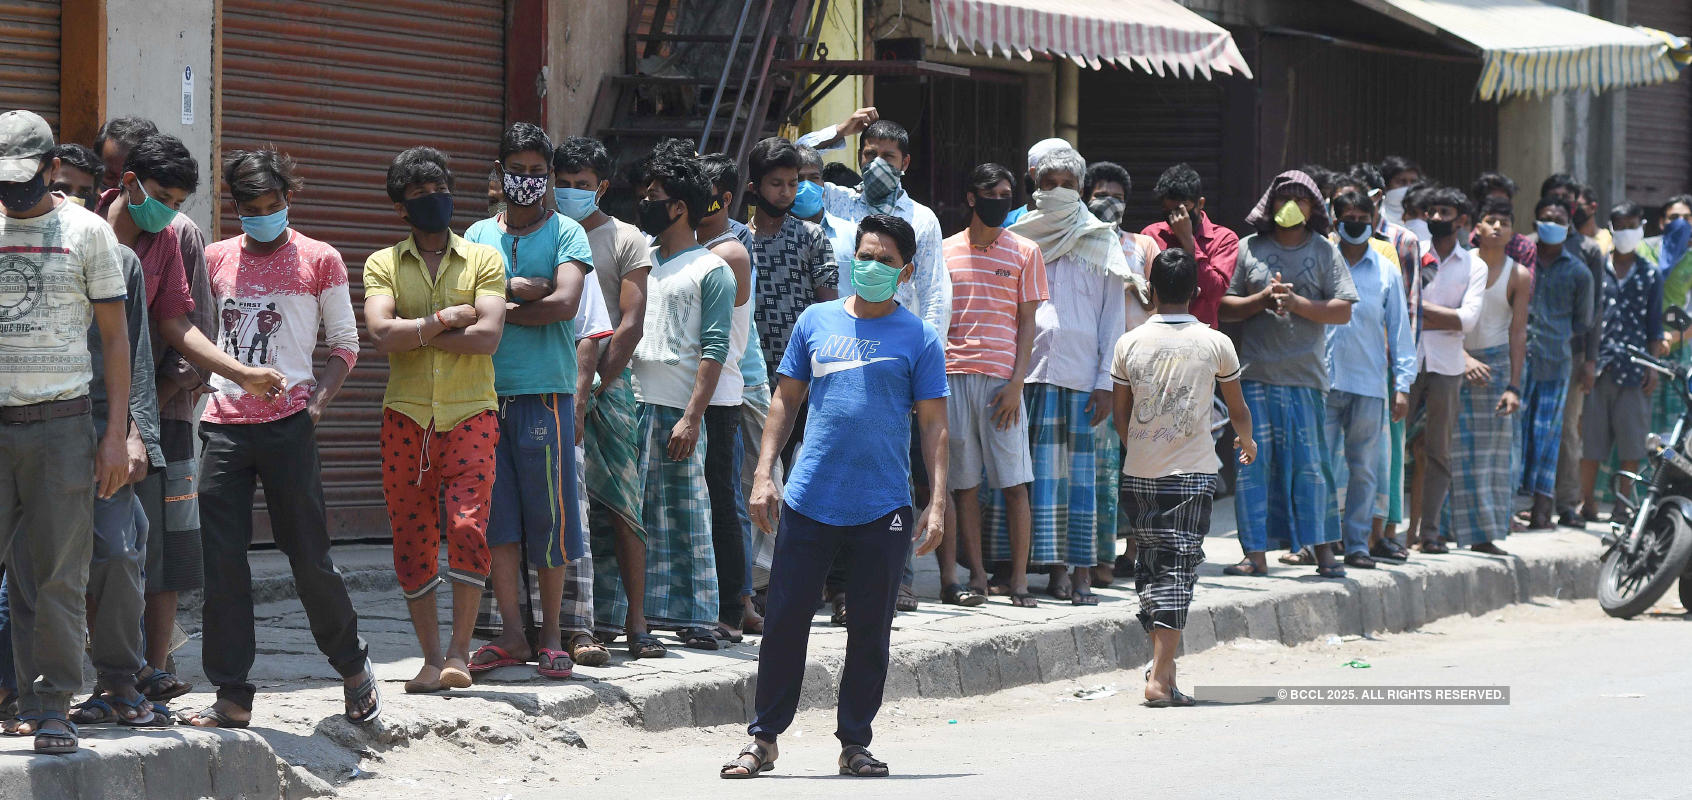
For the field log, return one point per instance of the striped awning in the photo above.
(1158, 36)
(1529, 47)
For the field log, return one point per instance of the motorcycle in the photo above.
(1650, 540)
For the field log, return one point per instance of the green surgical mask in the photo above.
(150, 215)
(873, 280)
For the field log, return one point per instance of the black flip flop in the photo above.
(959, 594)
(1330, 571)
(697, 638)
(1246, 569)
(726, 635)
(218, 718)
(356, 696)
(645, 645)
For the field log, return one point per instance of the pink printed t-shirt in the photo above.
(268, 311)
(988, 284)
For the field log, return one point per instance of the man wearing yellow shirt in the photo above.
(435, 304)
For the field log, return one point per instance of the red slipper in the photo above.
(548, 664)
(501, 659)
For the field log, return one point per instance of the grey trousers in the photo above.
(117, 588)
(47, 534)
(1570, 449)
(1437, 396)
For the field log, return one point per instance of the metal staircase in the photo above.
(705, 70)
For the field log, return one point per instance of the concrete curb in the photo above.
(170, 764)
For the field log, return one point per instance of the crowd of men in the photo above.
(699, 424)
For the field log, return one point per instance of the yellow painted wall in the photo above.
(843, 32)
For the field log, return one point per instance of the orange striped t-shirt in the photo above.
(987, 286)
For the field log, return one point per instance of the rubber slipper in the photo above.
(645, 645)
(587, 652)
(174, 688)
(43, 736)
(455, 675)
(146, 716)
(1246, 569)
(548, 661)
(355, 697)
(699, 638)
(959, 594)
(218, 718)
(502, 658)
(1176, 699)
(93, 711)
(1084, 599)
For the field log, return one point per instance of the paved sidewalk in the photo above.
(300, 746)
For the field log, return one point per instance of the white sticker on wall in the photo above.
(188, 95)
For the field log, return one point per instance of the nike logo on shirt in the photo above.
(820, 368)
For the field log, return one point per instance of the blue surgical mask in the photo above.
(1551, 233)
(267, 227)
(577, 204)
(808, 202)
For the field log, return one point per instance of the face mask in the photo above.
(24, 195)
(431, 213)
(1419, 227)
(77, 199)
(1060, 202)
(653, 216)
(1355, 232)
(1441, 228)
(1551, 233)
(150, 215)
(1289, 215)
(1627, 239)
(267, 227)
(808, 202)
(768, 207)
(577, 204)
(992, 210)
(881, 182)
(524, 190)
(1393, 201)
(1107, 208)
(1581, 215)
(874, 280)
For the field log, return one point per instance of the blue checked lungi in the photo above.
(1108, 450)
(616, 464)
(1064, 495)
(1481, 490)
(681, 561)
(1544, 391)
(1281, 500)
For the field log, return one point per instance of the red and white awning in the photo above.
(1158, 36)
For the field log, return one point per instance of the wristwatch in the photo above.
(1513, 388)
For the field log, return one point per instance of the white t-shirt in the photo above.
(593, 320)
(52, 269)
(666, 362)
(1172, 363)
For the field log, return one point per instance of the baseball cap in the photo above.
(25, 140)
(1045, 147)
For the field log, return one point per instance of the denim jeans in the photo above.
(1356, 422)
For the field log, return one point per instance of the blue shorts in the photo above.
(535, 500)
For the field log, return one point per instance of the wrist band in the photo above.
(1512, 388)
(440, 320)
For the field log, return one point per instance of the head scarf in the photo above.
(1044, 147)
(1061, 224)
(880, 187)
(1676, 236)
(1262, 216)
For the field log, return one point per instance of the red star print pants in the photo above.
(424, 470)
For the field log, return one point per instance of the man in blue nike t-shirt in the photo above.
(866, 363)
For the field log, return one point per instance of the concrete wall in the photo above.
(148, 45)
(586, 44)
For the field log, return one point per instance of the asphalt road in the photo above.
(1599, 708)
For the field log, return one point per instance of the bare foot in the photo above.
(428, 680)
(456, 674)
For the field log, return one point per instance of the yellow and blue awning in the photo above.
(1529, 47)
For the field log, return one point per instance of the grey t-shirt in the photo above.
(1289, 350)
(618, 249)
(143, 394)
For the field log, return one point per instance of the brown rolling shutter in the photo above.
(342, 87)
(1659, 118)
(1149, 123)
(29, 57)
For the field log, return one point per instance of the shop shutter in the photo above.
(1149, 123)
(29, 57)
(342, 87)
(1659, 118)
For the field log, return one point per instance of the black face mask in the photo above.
(431, 213)
(653, 216)
(24, 195)
(768, 207)
(1441, 228)
(1581, 216)
(992, 210)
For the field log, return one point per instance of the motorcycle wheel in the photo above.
(1628, 587)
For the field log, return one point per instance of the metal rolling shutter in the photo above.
(342, 87)
(1659, 118)
(29, 57)
(1147, 124)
